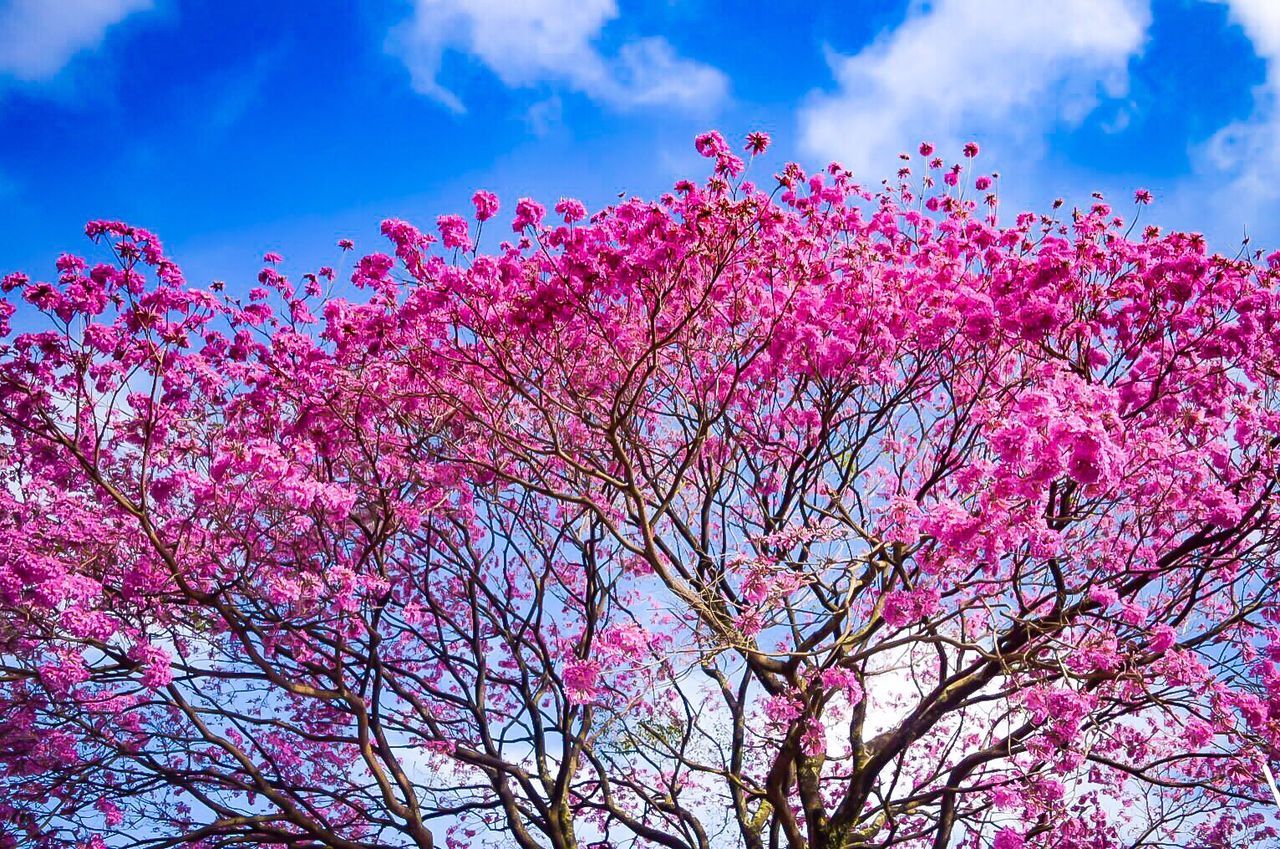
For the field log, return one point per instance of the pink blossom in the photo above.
(1162, 639)
(813, 742)
(1198, 733)
(571, 210)
(1008, 838)
(529, 213)
(750, 623)
(757, 142)
(155, 663)
(453, 232)
(486, 204)
(581, 681)
(1104, 596)
(111, 814)
(902, 608)
(1004, 798)
(783, 708)
(711, 144)
(844, 680)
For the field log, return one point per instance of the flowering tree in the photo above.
(816, 518)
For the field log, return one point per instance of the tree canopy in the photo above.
(794, 514)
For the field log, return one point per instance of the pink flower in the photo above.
(749, 623)
(346, 244)
(13, 280)
(730, 165)
(42, 295)
(111, 814)
(63, 674)
(711, 144)
(1007, 838)
(1037, 319)
(755, 588)
(1132, 613)
(903, 608)
(1085, 463)
(897, 609)
(982, 183)
(154, 661)
(1142, 196)
(901, 522)
(529, 213)
(970, 149)
(272, 257)
(782, 709)
(845, 680)
(1104, 596)
(1197, 733)
(581, 681)
(757, 143)
(486, 204)
(1004, 797)
(571, 210)
(453, 232)
(813, 742)
(1162, 639)
(926, 149)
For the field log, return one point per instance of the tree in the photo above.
(818, 518)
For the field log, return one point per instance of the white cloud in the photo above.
(529, 42)
(956, 69)
(1243, 158)
(1260, 20)
(39, 37)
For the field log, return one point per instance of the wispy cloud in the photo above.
(1243, 158)
(38, 38)
(526, 43)
(1007, 69)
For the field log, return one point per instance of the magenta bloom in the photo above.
(571, 210)
(1007, 838)
(581, 680)
(453, 232)
(757, 142)
(486, 204)
(529, 213)
(711, 144)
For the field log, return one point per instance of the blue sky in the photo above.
(231, 127)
